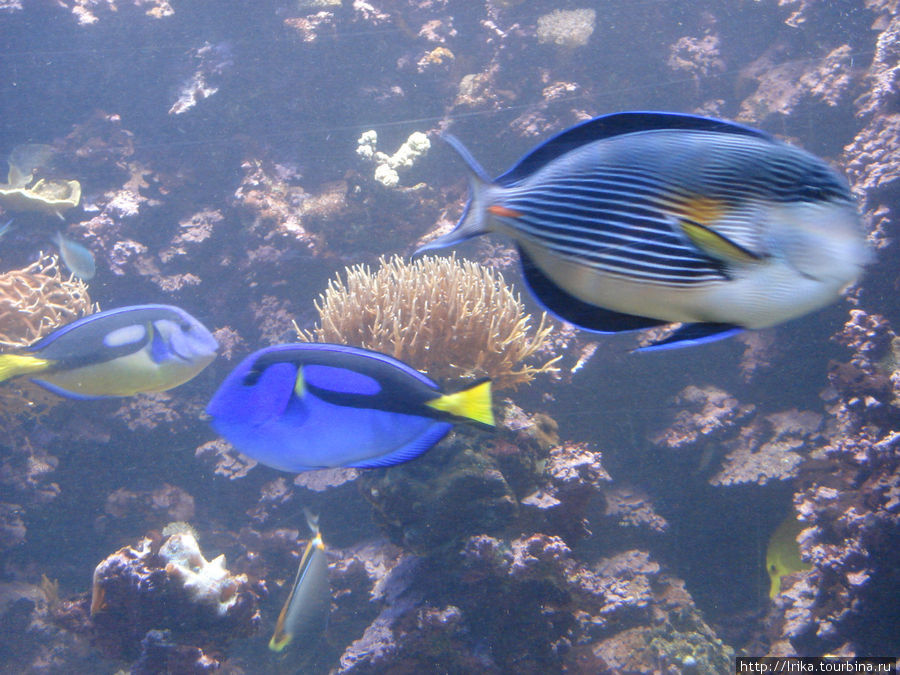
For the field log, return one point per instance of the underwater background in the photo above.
(620, 519)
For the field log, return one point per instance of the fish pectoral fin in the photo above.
(277, 385)
(716, 245)
(473, 403)
(14, 365)
(691, 334)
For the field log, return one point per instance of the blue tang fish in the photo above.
(298, 407)
(305, 612)
(119, 352)
(640, 219)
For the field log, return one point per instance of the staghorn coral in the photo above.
(36, 300)
(446, 317)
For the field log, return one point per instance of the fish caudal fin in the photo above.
(14, 365)
(473, 221)
(473, 404)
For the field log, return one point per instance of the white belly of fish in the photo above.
(761, 295)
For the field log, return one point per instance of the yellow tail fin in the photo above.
(473, 403)
(13, 365)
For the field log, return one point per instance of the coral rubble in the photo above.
(166, 595)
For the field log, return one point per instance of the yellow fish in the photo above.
(783, 554)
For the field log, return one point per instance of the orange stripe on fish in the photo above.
(702, 210)
(503, 211)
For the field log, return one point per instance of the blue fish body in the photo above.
(78, 259)
(299, 407)
(119, 352)
(640, 219)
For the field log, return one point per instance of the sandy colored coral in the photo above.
(567, 28)
(449, 318)
(784, 84)
(36, 300)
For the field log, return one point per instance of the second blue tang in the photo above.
(298, 407)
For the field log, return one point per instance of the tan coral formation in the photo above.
(447, 317)
(36, 300)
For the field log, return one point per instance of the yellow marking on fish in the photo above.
(702, 210)
(503, 211)
(281, 638)
(783, 554)
(473, 403)
(14, 365)
(714, 244)
(300, 383)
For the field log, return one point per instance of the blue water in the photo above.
(275, 137)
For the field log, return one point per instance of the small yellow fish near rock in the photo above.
(783, 554)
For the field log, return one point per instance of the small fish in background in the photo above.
(6, 227)
(783, 553)
(119, 352)
(640, 219)
(299, 407)
(29, 159)
(304, 615)
(77, 258)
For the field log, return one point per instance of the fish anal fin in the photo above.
(716, 245)
(67, 393)
(418, 446)
(567, 307)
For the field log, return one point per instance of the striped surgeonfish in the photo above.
(639, 219)
(304, 615)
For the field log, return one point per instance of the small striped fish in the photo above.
(639, 219)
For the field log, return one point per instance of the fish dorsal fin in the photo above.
(340, 380)
(716, 245)
(617, 124)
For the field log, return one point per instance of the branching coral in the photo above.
(447, 317)
(36, 300)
